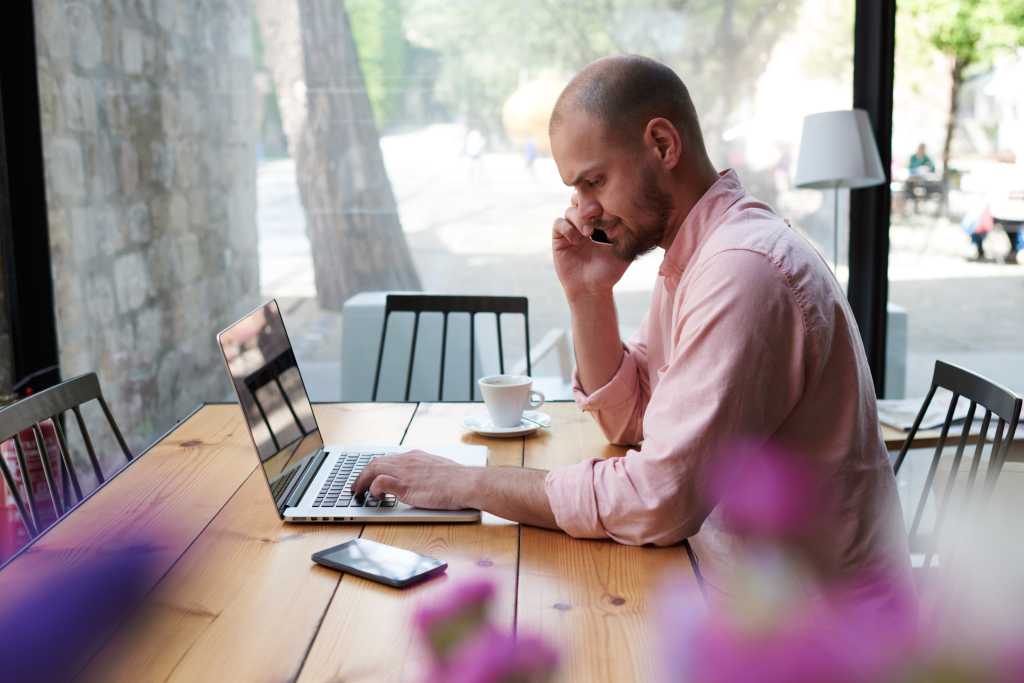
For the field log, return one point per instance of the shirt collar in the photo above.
(700, 222)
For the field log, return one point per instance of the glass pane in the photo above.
(150, 151)
(205, 157)
(461, 94)
(956, 291)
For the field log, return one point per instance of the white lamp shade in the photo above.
(837, 149)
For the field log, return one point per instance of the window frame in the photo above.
(24, 229)
(874, 54)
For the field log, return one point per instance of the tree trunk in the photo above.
(957, 78)
(351, 214)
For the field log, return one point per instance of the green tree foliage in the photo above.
(383, 55)
(487, 48)
(970, 33)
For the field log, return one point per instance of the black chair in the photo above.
(271, 372)
(446, 304)
(996, 400)
(30, 413)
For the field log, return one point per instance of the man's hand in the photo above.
(419, 479)
(588, 271)
(436, 483)
(583, 266)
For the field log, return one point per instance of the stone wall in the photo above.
(149, 145)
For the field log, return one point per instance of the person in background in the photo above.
(921, 182)
(1008, 209)
(920, 161)
(978, 225)
(1013, 230)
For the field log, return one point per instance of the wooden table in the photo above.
(234, 595)
(929, 438)
(925, 438)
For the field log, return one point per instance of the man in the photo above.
(922, 183)
(920, 161)
(748, 337)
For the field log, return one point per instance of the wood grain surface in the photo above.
(591, 597)
(231, 593)
(245, 600)
(374, 620)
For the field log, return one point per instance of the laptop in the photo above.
(310, 481)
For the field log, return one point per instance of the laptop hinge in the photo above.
(302, 482)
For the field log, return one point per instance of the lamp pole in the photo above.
(835, 229)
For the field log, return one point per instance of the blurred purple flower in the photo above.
(466, 647)
(1011, 666)
(498, 657)
(56, 614)
(842, 639)
(950, 659)
(455, 618)
(765, 492)
(780, 621)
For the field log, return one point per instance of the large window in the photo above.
(956, 286)
(203, 157)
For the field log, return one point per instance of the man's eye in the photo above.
(596, 182)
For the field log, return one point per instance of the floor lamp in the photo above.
(837, 149)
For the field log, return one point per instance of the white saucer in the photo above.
(480, 423)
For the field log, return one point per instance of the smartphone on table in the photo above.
(379, 562)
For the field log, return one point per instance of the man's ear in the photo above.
(662, 138)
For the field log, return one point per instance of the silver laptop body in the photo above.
(308, 481)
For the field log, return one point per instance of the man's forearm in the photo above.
(513, 493)
(595, 336)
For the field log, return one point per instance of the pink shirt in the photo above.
(748, 336)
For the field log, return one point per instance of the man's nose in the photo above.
(589, 209)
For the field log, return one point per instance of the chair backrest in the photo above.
(996, 401)
(271, 371)
(446, 304)
(29, 414)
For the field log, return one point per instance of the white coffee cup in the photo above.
(507, 396)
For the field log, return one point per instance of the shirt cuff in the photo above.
(623, 386)
(571, 495)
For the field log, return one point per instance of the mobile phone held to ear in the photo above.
(598, 236)
(379, 562)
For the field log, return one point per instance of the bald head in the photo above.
(624, 93)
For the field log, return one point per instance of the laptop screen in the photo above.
(272, 395)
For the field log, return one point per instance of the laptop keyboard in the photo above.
(337, 489)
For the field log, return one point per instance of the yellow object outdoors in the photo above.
(526, 112)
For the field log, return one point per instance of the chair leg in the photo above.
(29, 493)
(113, 426)
(26, 519)
(444, 349)
(380, 356)
(472, 355)
(412, 354)
(51, 483)
(65, 456)
(88, 445)
(526, 329)
(501, 351)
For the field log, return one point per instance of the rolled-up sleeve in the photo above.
(736, 370)
(619, 405)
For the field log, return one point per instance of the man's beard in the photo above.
(634, 241)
